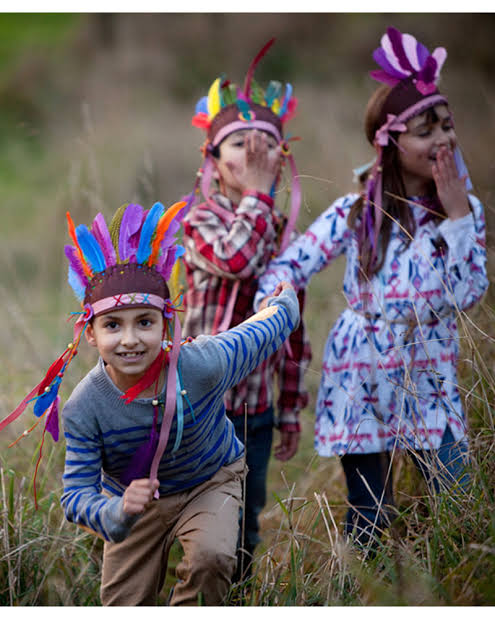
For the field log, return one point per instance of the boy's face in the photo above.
(247, 156)
(128, 341)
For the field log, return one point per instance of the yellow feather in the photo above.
(174, 280)
(276, 106)
(214, 99)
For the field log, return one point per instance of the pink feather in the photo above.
(100, 232)
(75, 264)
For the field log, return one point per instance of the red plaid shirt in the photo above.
(225, 244)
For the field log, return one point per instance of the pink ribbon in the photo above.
(393, 124)
(170, 401)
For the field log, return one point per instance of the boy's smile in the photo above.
(128, 341)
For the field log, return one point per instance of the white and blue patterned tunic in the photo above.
(389, 377)
(102, 432)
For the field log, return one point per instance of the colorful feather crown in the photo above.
(222, 93)
(135, 237)
(402, 57)
(124, 265)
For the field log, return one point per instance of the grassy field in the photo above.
(96, 112)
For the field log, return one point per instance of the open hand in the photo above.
(450, 188)
(139, 494)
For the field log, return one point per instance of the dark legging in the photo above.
(369, 484)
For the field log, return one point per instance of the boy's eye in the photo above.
(145, 322)
(111, 324)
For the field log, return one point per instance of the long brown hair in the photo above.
(394, 192)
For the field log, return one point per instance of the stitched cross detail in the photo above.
(118, 300)
(145, 297)
(132, 298)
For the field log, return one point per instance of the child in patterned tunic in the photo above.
(150, 454)
(414, 241)
(229, 239)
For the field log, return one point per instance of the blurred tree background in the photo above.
(95, 110)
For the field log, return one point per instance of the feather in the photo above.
(162, 227)
(100, 232)
(167, 242)
(395, 38)
(114, 229)
(214, 98)
(257, 95)
(410, 46)
(46, 400)
(73, 236)
(52, 372)
(291, 110)
(287, 96)
(229, 94)
(90, 249)
(272, 92)
(201, 121)
(173, 283)
(75, 265)
(172, 254)
(253, 65)
(147, 231)
(51, 424)
(148, 379)
(381, 59)
(129, 227)
(202, 106)
(75, 284)
(385, 78)
(440, 55)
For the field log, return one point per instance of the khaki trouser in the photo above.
(205, 520)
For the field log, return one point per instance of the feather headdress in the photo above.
(223, 93)
(228, 108)
(125, 265)
(401, 57)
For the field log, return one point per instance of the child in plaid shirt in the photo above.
(229, 240)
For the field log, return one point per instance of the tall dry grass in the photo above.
(116, 127)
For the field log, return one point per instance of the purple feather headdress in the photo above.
(402, 57)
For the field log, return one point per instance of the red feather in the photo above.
(53, 370)
(148, 379)
(253, 65)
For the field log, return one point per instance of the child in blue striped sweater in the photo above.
(150, 453)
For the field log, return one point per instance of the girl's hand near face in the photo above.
(262, 163)
(450, 188)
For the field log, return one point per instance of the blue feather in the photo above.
(288, 95)
(90, 249)
(202, 106)
(76, 285)
(147, 232)
(47, 399)
(179, 251)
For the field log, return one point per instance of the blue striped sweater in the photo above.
(102, 432)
